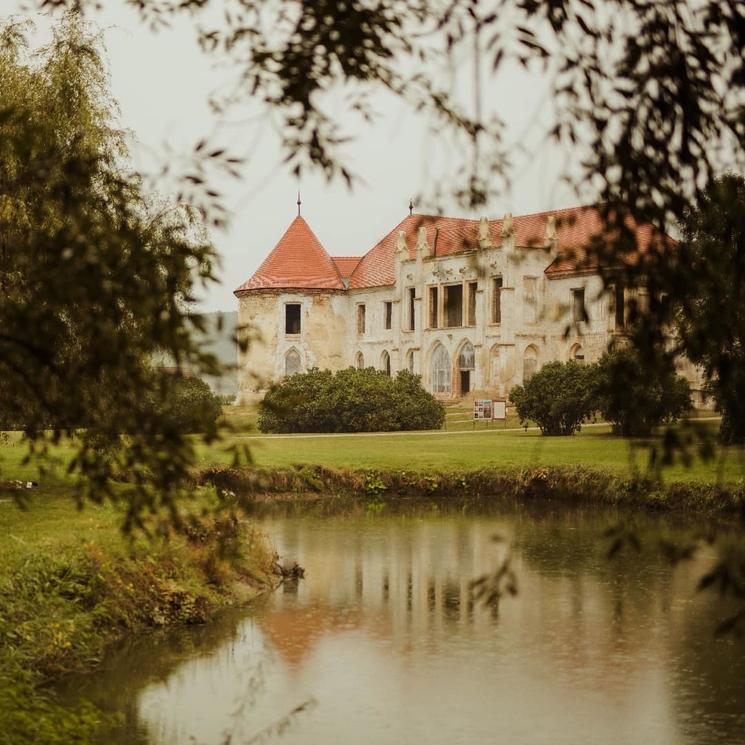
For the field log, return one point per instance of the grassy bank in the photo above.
(71, 585)
(570, 485)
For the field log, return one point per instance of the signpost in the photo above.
(489, 409)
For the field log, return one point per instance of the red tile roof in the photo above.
(454, 235)
(298, 261)
(576, 228)
(346, 264)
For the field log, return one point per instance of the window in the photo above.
(530, 301)
(576, 353)
(433, 308)
(496, 300)
(530, 363)
(360, 319)
(385, 363)
(411, 293)
(410, 360)
(360, 361)
(579, 314)
(440, 370)
(620, 307)
(387, 315)
(292, 362)
(453, 298)
(471, 307)
(292, 318)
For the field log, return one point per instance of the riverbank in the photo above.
(572, 485)
(71, 586)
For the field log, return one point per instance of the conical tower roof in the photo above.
(297, 262)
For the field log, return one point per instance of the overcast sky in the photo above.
(162, 83)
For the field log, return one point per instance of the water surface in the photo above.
(382, 643)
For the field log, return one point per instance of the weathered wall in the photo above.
(320, 342)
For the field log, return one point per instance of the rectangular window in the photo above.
(496, 300)
(434, 308)
(292, 318)
(360, 319)
(579, 314)
(620, 307)
(530, 301)
(453, 298)
(412, 308)
(387, 315)
(471, 308)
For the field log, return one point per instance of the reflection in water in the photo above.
(383, 636)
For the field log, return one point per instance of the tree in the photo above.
(635, 398)
(708, 280)
(558, 398)
(94, 281)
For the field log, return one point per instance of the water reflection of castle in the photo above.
(408, 581)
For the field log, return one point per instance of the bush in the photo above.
(634, 397)
(558, 398)
(190, 404)
(349, 400)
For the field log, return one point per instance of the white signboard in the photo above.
(499, 410)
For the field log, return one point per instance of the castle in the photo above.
(470, 305)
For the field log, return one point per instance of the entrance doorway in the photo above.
(466, 366)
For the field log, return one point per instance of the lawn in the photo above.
(595, 446)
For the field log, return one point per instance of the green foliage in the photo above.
(95, 279)
(636, 397)
(189, 405)
(558, 398)
(349, 400)
(709, 276)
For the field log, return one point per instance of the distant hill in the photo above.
(221, 328)
(218, 339)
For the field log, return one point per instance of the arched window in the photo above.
(577, 353)
(360, 361)
(440, 371)
(292, 362)
(385, 363)
(494, 365)
(466, 363)
(530, 362)
(466, 357)
(410, 360)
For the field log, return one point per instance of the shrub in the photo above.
(635, 398)
(190, 404)
(558, 398)
(349, 400)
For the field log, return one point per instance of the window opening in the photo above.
(453, 305)
(496, 300)
(292, 318)
(471, 314)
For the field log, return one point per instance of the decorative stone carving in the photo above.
(401, 246)
(422, 249)
(484, 237)
(550, 231)
(507, 227)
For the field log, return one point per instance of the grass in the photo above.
(594, 447)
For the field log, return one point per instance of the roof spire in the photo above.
(298, 204)
(411, 206)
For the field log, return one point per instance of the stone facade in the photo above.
(479, 319)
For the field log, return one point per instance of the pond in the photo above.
(382, 642)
